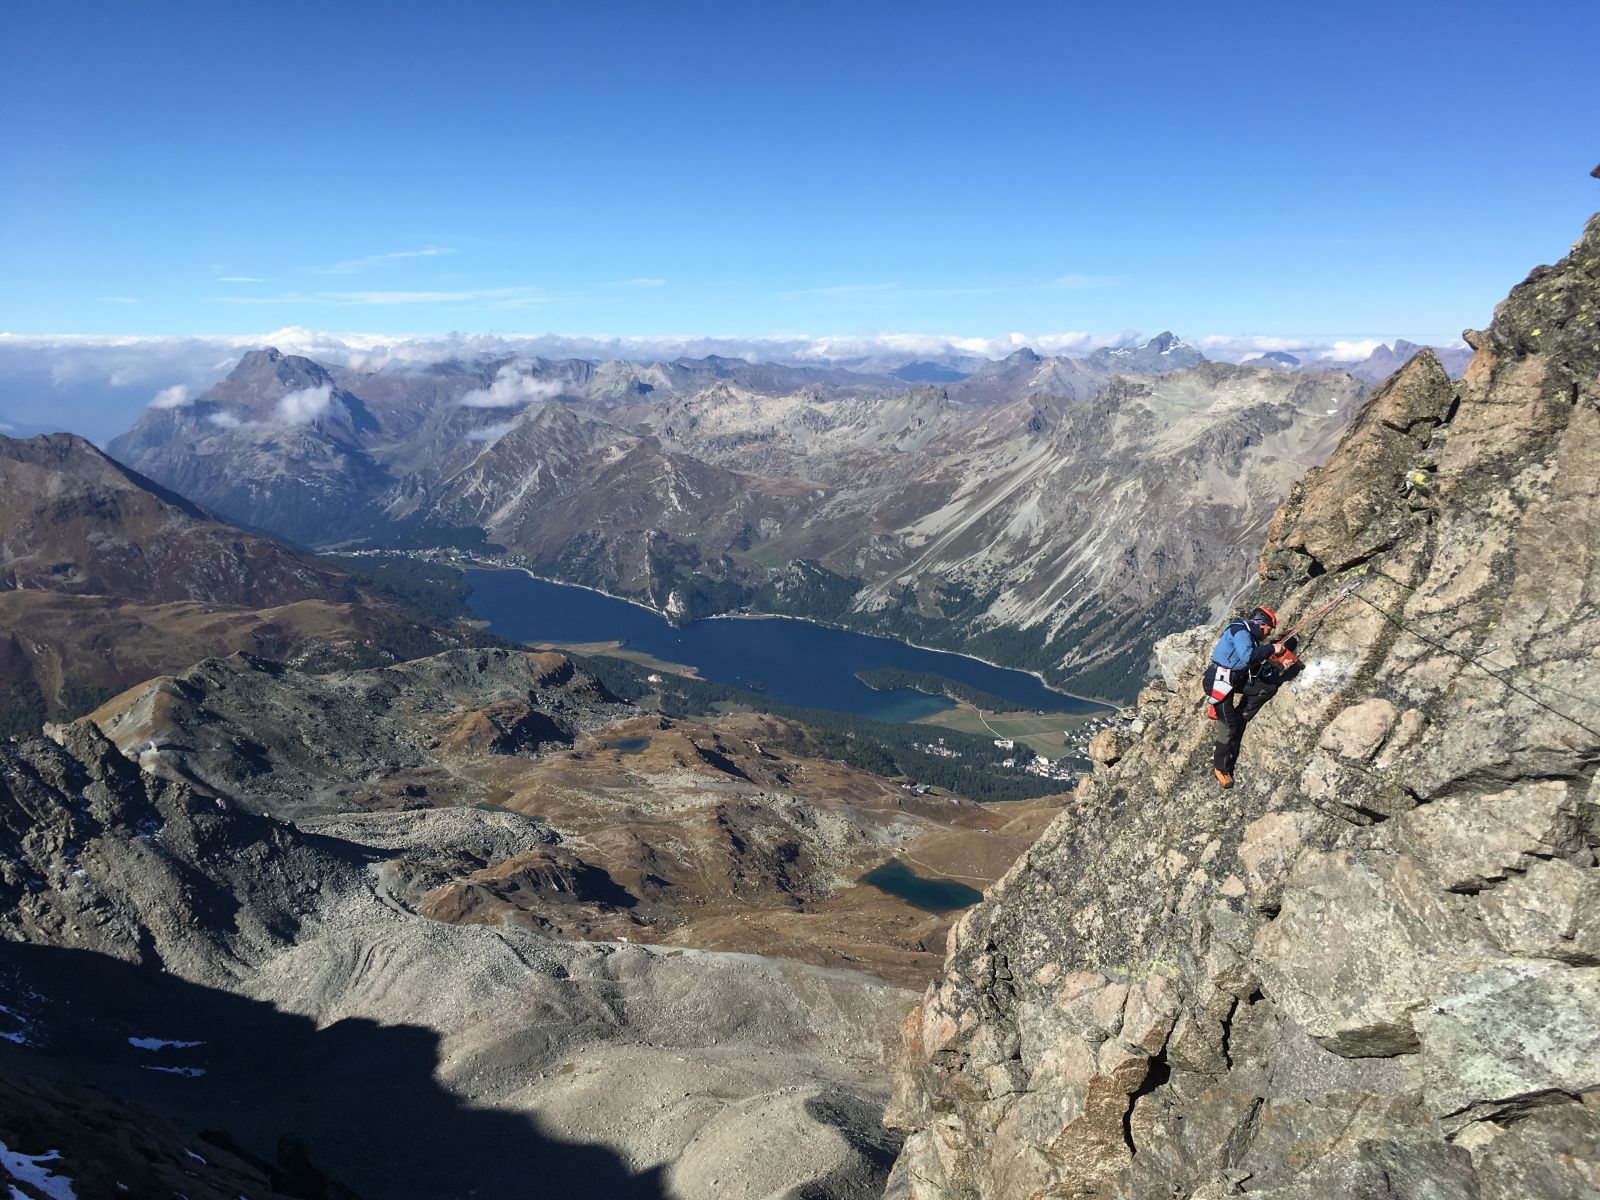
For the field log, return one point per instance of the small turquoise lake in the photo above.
(794, 661)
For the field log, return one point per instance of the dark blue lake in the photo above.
(794, 661)
(931, 895)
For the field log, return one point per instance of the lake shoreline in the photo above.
(1098, 701)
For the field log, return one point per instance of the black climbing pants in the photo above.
(1234, 712)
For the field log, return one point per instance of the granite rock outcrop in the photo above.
(1370, 968)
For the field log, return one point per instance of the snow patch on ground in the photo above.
(26, 1168)
(150, 1043)
(19, 1035)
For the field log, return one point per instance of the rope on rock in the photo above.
(1497, 673)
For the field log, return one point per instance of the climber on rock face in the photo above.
(1246, 671)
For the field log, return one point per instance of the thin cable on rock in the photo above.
(1494, 672)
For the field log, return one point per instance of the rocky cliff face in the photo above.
(1372, 968)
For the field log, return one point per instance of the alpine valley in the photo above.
(310, 887)
(1057, 514)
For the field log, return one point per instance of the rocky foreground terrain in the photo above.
(462, 925)
(601, 820)
(1054, 513)
(1372, 968)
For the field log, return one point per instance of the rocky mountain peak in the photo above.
(80, 523)
(1272, 358)
(1163, 353)
(262, 367)
(1372, 966)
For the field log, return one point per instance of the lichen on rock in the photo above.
(1370, 968)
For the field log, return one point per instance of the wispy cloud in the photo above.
(117, 299)
(492, 433)
(353, 266)
(508, 296)
(844, 289)
(240, 279)
(305, 405)
(875, 291)
(500, 297)
(638, 281)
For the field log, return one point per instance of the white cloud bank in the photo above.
(143, 361)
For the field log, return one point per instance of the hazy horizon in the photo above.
(97, 385)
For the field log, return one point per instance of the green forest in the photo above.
(886, 679)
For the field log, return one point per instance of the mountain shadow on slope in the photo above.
(358, 1099)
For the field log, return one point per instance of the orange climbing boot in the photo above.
(1223, 777)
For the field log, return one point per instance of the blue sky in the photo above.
(1364, 170)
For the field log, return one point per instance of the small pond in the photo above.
(931, 895)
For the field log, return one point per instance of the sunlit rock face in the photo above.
(1372, 967)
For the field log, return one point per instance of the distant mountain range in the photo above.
(1024, 372)
(1050, 512)
(1375, 368)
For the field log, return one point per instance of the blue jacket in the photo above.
(1239, 647)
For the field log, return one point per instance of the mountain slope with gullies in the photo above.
(1057, 534)
(1051, 513)
(107, 578)
(1372, 967)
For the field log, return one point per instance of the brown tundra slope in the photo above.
(107, 578)
(1372, 968)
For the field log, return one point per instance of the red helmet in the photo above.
(1265, 617)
